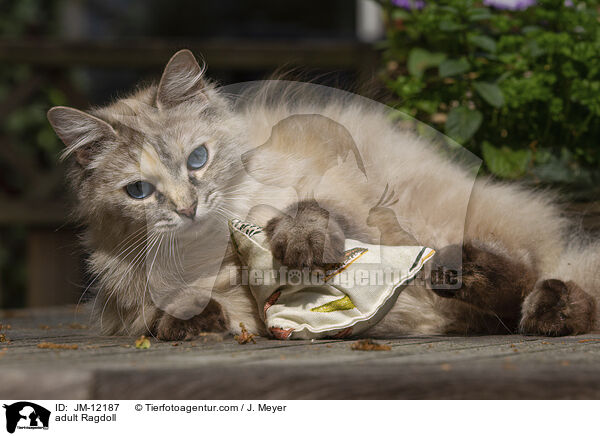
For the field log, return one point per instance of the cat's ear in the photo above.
(81, 132)
(181, 80)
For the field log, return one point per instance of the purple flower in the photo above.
(409, 4)
(513, 5)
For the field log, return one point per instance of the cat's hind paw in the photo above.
(557, 308)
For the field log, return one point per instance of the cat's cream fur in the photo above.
(130, 139)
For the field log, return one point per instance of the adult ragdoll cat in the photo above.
(174, 156)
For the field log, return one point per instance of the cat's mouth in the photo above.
(207, 212)
(181, 225)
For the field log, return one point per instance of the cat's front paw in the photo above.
(310, 239)
(170, 328)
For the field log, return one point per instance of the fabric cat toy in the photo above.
(345, 300)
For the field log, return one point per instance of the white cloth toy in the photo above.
(343, 301)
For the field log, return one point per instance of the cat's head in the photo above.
(165, 156)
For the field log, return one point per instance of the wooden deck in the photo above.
(217, 367)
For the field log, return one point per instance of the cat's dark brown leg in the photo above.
(557, 308)
(490, 281)
(507, 289)
(466, 319)
(311, 237)
(212, 319)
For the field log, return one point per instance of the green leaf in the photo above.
(530, 29)
(462, 123)
(505, 162)
(46, 139)
(419, 60)
(484, 42)
(428, 106)
(142, 343)
(450, 9)
(400, 14)
(477, 14)
(534, 49)
(450, 26)
(56, 97)
(452, 67)
(490, 92)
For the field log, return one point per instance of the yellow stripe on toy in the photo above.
(349, 257)
(333, 306)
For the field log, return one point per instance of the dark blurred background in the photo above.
(82, 53)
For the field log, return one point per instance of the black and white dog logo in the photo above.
(26, 415)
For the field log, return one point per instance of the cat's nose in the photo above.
(189, 212)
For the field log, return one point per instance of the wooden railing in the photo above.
(222, 53)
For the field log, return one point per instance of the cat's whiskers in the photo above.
(136, 261)
(218, 211)
(120, 313)
(180, 268)
(175, 272)
(135, 235)
(235, 197)
(223, 214)
(179, 260)
(148, 329)
(508, 330)
(139, 242)
(239, 187)
(223, 208)
(171, 253)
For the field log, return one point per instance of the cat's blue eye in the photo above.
(140, 189)
(197, 158)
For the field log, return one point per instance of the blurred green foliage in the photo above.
(28, 146)
(521, 89)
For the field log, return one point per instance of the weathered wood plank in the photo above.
(348, 382)
(222, 53)
(216, 367)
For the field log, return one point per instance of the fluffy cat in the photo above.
(174, 159)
